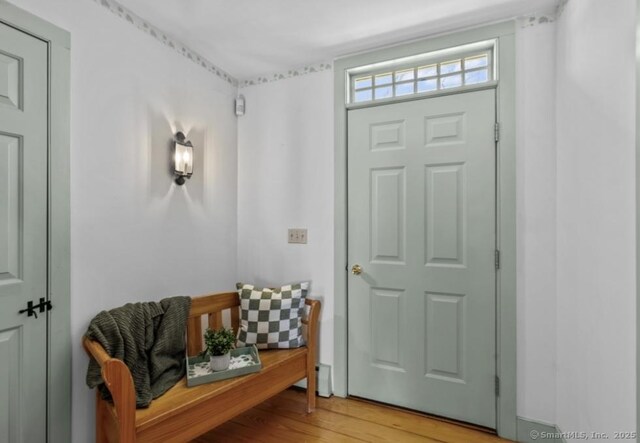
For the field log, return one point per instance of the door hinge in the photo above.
(496, 131)
(497, 381)
(497, 259)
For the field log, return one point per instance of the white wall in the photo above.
(596, 217)
(134, 234)
(288, 130)
(285, 180)
(137, 236)
(536, 219)
(575, 301)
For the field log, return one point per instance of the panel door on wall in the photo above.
(23, 235)
(421, 193)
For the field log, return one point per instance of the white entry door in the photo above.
(23, 237)
(422, 240)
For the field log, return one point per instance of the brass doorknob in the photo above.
(356, 269)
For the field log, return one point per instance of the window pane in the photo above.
(407, 74)
(476, 62)
(449, 67)
(431, 75)
(384, 92)
(451, 81)
(363, 82)
(383, 79)
(427, 71)
(363, 95)
(427, 85)
(473, 77)
(404, 88)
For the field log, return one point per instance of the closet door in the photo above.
(23, 236)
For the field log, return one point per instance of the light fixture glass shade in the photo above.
(182, 158)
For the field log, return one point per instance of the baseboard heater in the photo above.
(323, 381)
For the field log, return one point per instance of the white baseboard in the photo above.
(532, 431)
(323, 381)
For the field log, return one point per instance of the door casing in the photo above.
(637, 214)
(504, 33)
(58, 273)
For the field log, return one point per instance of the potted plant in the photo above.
(218, 345)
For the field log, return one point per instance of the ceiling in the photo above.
(248, 38)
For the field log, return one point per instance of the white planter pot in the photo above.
(220, 362)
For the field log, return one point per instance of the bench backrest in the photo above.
(211, 307)
(211, 310)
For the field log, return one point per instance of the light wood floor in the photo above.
(283, 419)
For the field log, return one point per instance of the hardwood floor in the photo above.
(283, 419)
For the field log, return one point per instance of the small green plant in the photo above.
(218, 342)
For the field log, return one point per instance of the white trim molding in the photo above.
(532, 431)
(637, 215)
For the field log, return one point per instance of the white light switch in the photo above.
(298, 235)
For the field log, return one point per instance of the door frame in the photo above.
(504, 33)
(58, 213)
(637, 214)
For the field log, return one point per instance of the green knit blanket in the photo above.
(149, 338)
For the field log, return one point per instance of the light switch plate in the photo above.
(297, 235)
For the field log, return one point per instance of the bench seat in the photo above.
(184, 413)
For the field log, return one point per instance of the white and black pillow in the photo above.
(271, 317)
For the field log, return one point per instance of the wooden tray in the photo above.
(196, 365)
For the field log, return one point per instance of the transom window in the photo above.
(451, 69)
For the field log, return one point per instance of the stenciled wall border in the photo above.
(295, 72)
(535, 20)
(142, 24)
(182, 49)
(523, 22)
(542, 18)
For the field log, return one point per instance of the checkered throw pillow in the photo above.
(271, 318)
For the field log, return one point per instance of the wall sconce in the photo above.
(182, 158)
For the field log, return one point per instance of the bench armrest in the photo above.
(312, 350)
(117, 379)
(95, 350)
(311, 321)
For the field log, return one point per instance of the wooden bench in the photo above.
(184, 413)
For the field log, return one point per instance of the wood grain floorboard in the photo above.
(355, 427)
(283, 419)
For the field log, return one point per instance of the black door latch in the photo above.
(44, 305)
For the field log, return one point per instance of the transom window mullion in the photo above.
(449, 72)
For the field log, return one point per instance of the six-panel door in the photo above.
(23, 235)
(422, 226)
